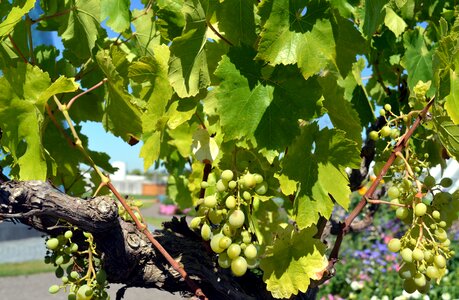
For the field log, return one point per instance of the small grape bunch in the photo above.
(424, 248)
(222, 218)
(389, 130)
(135, 206)
(79, 270)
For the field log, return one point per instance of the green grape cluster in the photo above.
(79, 270)
(135, 205)
(424, 248)
(222, 218)
(390, 130)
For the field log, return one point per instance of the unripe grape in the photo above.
(206, 233)
(53, 289)
(436, 214)
(408, 270)
(65, 279)
(424, 289)
(419, 280)
(446, 243)
(215, 216)
(441, 234)
(224, 261)
(394, 201)
(59, 272)
(52, 243)
(374, 135)
(420, 209)
(442, 224)
(258, 178)
(232, 184)
(429, 181)
(230, 202)
(393, 192)
(261, 188)
(227, 175)
(84, 292)
(246, 195)
(388, 107)
(432, 272)
(101, 276)
(250, 251)
(227, 230)
(407, 255)
(237, 218)
(215, 243)
(394, 133)
(402, 213)
(382, 112)
(195, 222)
(428, 256)
(225, 242)
(446, 182)
(249, 180)
(68, 234)
(74, 275)
(71, 296)
(221, 186)
(73, 247)
(394, 245)
(204, 184)
(440, 261)
(409, 286)
(239, 266)
(210, 201)
(385, 131)
(233, 251)
(418, 254)
(59, 260)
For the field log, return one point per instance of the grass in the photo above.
(25, 268)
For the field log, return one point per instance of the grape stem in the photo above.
(377, 201)
(345, 227)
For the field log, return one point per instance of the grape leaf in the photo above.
(170, 18)
(374, 16)
(121, 116)
(25, 91)
(146, 36)
(81, 29)
(322, 178)
(417, 60)
(117, 12)
(239, 106)
(237, 21)
(449, 134)
(188, 71)
(393, 21)
(452, 100)
(14, 17)
(177, 189)
(156, 91)
(295, 258)
(341, 112)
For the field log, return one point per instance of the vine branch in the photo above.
(15, 46)
(345, 227)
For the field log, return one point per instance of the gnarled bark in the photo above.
(128, 256)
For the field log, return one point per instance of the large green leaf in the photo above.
(14, 17)
(117, 12)
(341, 112)
(374, 16)
(188, 71)
(80, 30)
(293, 261)
(417, 59)
(122, 116)
(452, 100)
(239, 105)
(394, 22)
(237, 21)
(322, 179)
(156, 91)
(146, 35)
(294, 98)
(25, 91)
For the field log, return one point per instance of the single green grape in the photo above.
(408, 270)
(429, 181)
(206, 233)
(230, 202)
(436, 214)
(54, 289)
(394, 245)
(195, 222)
(432, 272)
(232, 184)
(239, 266)
(261, 188)
(68, 234)
(210, 201)
(258, 178)
(385, 131)
(428, 256)
(225, 242)
(227, 175)
(215, 243)
(250, 251)
(249, 180)
(84, 292)
(374, 135)
(409, 286)
(233, 251)
(418, 254)
(382, 112)
(446, 182)
(52, 243)
(387, 107)
(407, 255)
(224, 261)
(246, 195)
(237, 218)
(393, 192)
(221, 186)
(420, 209)
(402, 213)
(440, 261)
(59, 272)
